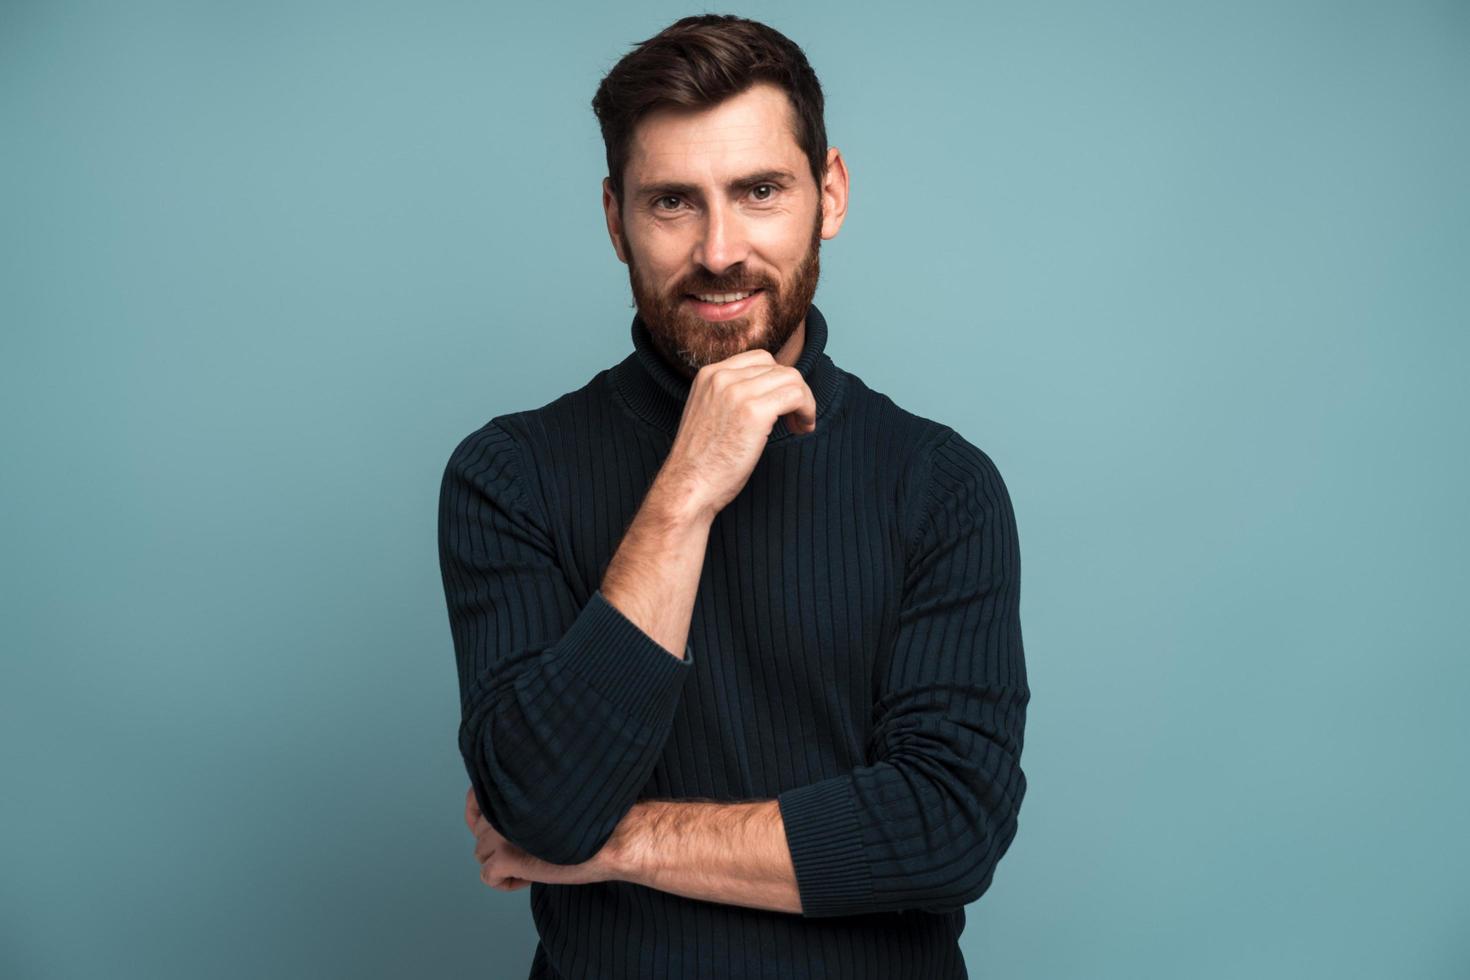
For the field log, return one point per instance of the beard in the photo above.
(689, 342)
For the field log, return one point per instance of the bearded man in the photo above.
(738, 638)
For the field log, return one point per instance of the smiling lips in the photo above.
(723, 306)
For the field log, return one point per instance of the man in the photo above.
(739, 643)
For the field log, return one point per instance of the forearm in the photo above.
(734, 853)
(653, 576)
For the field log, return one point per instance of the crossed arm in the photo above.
(567, 706)
(733, 853)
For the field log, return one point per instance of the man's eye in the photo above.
(659, 201)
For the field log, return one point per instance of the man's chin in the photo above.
(740, 326)
(703, 342)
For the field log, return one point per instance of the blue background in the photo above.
(1195, 275)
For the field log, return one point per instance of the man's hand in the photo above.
(734, 853)
(507, 868)
(732, 406)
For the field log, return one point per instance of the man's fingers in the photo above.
(471, 808)
(504, 883)
(485, 844)
(491, 870)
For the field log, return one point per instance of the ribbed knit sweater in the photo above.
(854, 653)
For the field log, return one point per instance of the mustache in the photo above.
(703, 287)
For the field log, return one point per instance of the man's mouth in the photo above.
(722, 306)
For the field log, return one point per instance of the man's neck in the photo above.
(790, 352)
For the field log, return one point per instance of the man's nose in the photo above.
(724, 242)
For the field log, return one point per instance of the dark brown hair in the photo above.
(697, 62)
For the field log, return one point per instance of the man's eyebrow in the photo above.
(739, 183)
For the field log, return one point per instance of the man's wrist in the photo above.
(622, 855)
(679, 504)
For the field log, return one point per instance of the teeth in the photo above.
(721, 297)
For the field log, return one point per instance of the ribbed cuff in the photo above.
(826, 843)
(629, 668)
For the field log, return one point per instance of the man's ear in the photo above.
(613, 213)
(834, 193)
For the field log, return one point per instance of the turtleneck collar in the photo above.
(657, 392)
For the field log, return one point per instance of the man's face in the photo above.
(719, 201)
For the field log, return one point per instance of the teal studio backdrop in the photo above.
(1196, 276)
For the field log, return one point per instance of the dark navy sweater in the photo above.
(854, 653)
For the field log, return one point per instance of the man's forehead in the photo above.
(752, 131)
(715, 157)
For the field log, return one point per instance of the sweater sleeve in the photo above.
(565, 708)
(925, 822)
